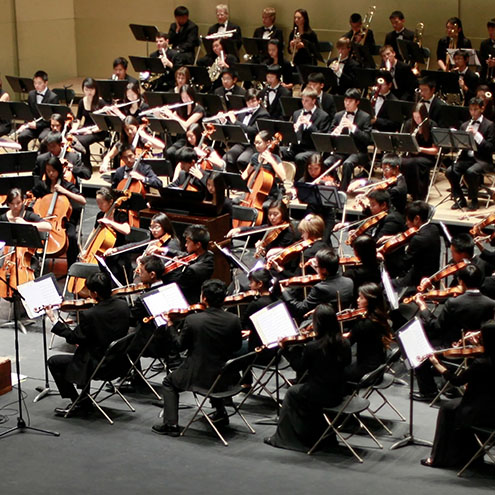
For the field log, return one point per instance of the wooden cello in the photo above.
(260, 184)
(102, 238)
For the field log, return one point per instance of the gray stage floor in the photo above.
(91, 456)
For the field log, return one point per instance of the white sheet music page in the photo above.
(273, 323)
(164, 299)
(415, 343)
(38, 294)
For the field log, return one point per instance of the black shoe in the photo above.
(268, 441)
(163, 429)
(80, 408)
(473, 206)
(158, 403)
(418, 396)
(427, 462)
(156, 368)
(458, 204)
(220, 418)
(452, 393)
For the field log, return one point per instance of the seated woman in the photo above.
(301, 421)
(54, 182)
(371, 334)
(133, 93)
(454, 443)
(215, 187)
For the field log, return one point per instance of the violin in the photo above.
(176, 314)
(289, 252)
(350, 261)
(71, 305)
(397, 241)
(477, 228)
(268, 238)
(437, 295)
(351, 314)
(445, 272)
(180, 262)
(307, 334)
(129, 289)
(205, 164)
(152, 242)
(301, 281)
(464, 352)
(367, 224)
(241, 298)
(9, 272)
(260, 184)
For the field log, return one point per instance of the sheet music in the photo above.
(102, 262)
(164, 299)
(39, 293)
(392, 296)
(415, 343)
(273, 323)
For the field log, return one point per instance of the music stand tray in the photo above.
(161, 166)
(319, 195)
(234, 181)
(167, 126)
(143, 32)
(227, 133)
(211, 103)
(323, 142)
(17, 163)
(24, 182)
(395, 142)
(447, 82)
(20, 84)
(107, 122)
(290, 105)
(112, 90)
(235, 102)
(15, 110)
(47, 110)
(147, 64)
(285, 128)
(398, 110)
(161, 98)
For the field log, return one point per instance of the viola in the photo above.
(129, 289)
(477, 228)
(71, 305)
(260, 184)
(301, 281)
(304, 336)
(268, 238)
(289, 252)
(437, 295)
(464, 352)
(176, 314)
(397, 241)
(205, 164)
(241, 298)
(351, 314)
(445, 272)
(350, 261)
(367, 224)
(180, 262)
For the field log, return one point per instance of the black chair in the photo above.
(217, 391)
(244, 214)
(350, 407)
(111, 366)
(485, 445)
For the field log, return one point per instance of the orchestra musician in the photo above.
(275, 56)
(487, 54)
(468, 80)
(483, 92)
(455, 39)
(459, 314)
(268, 30)
(166, 55)
(382, 120)
(229, 84)
(371, 334)
(344, 66)
(183, 36)
(427, 90)
(322, 363)
(333, 287)
(273, 91)
(398, 190)
(120, 65)
(210, 337)
(181, 76)
(416, 166)
(362, 49)
(306, 120)
(316, 81)
(472, 164)
(98, 327)
(454, 444)
(400, 32)
(38, 128)
(404, 81)
(215, 193)
(187, 173)
(224, 24)
(303, 41)
(54, 182)
(133, 93)
(217, 60)
(357, 123)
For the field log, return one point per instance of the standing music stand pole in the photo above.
(19, 235)
(44, 391)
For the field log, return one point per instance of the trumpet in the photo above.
(297, 37)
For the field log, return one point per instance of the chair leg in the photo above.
(477, 454)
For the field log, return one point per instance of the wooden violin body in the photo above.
(367, 224)
(397, 241)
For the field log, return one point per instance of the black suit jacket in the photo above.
(320, 122)
(274, 108)
(151, 179)
(186, 40)
(398, 194)
(485, 148)
(487, 48)
(210, 338)
(275, 34)
(236, 90)
(391, 39)
(78, 168)
(348, 78)
(98, 328)
(405, 81)
(237, 36)
(50, 97)
(191, 279)
(383, 121)
(327, 104)
(435, 108)
(362, 135)
(251, 129)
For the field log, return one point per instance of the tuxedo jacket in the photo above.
(487, 48)
(193, 276)
(50, 97)
(151, 179)
(237, 36)
(275, 34)
(320, 122)
(383, 121)
(391, 39)
(210, 339)
(398, 194)
(471, 80)
(98, 328)
(186, 40)
(348, 78)
(405, 80)
(251, 128)
(362, 135)
(327, 104)
(78, 168)
(236, 90)
(274, 108)
(435, 109)
(485, 148)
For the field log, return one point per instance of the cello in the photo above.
(260, 184)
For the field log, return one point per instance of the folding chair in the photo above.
(434, 175)
(217, 391)
(111, 366)
(350, 407)
(244, 214)
(485, 446)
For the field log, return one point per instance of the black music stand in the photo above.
(234, 181)
(256, 47)
(144, 33)
(20, 84)
(47, 110)
(453, 139)
(177, 199)
(366, 78)
(166, 126)
(199, 75)
(15, 110)
(452, 116)
(395, 142)
(398, 110)
(319, 195)
(323, 142)
(446, 82)
(285, 128)
(20, 235)
(212, 103)
(227, 133)
(251, 72)
(161, 166)
(161, 98)
(329, 75)
(17, 163)
(147, 64)
(107, 122)
(411, 52)
(111, 90)
(23, 182)
(290, 105)
(235, 102)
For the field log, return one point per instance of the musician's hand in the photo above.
(425, 284)
(379, 256)
(434, 360)
(51, 315)
(275, 266)
(136, 175)
(245, 333)
(58, 188)
(233, 232)
(110, 251)
(196, 172)
(105, 221)
(31, 125)
(339, 226)
(419, 300)
(384, 238)
(231, 116)
(491, 62)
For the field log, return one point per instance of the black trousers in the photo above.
(416, 171)
(58, 365)
(473, 173)
(26, 136)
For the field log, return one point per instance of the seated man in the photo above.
(229, 84)
(272, 92)
(403, 79)
(427, 89)
(183, 36)
(344, 67)
(316, 81)
(120, 65)
(468, 80)
(356, 123)
(382, 120)
(98, 327)
(472, 164)
(210, 338)
(38, 128)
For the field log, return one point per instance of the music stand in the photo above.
(20, 235)
(234, 181)
(411, 52)
(344, 144)
(251, 72)
(366, 78)
(15, 110)
(18, 163)
(323, 142)
(23, 182)
(166, 126)
(235, 102)
(147, 64)
(107, 122)
(283, 127)
(452, 116)
(135, 202)
(329, 75)
(256, 47)
(446, 82)
(232, 259)
(395, 142)
(47, 110)
(212, 103)
(398, 110)
(453, 139)
(199, 75)
(290, 105)
(111, 90)
(161, 166)
(227, 133)
(161, 98)
(473, 56)
(20, 84)
(144, 33)
(319, 195)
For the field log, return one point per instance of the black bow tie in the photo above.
(272, 90)
(39, 94)
(269, 30)
(306, 112)
(350, 113)
(475, 122)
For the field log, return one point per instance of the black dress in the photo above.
(301, 420)
(454, 445)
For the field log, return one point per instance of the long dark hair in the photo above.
(365, 248)
(304, 13)
(124, 138)
(425, 129)
(314, 158)
(326, 327)
(90, 83)
(165, 223)
(218, 199)
(376, 310)
(458, 23)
